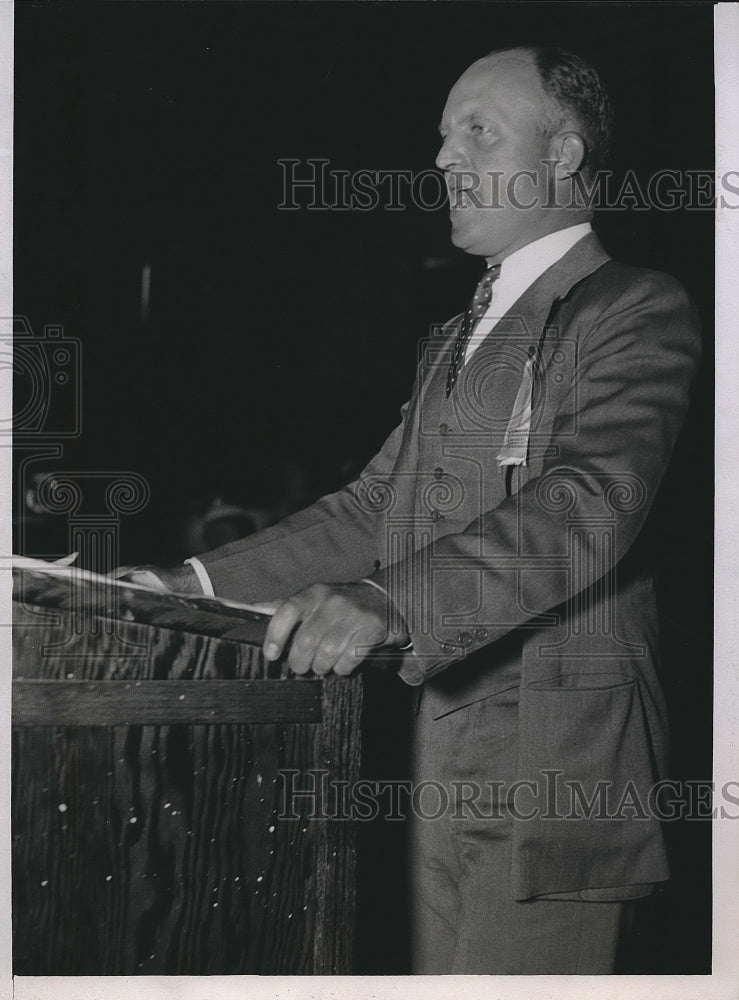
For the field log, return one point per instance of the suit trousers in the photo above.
(463, 917)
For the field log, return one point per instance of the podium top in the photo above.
(84, 593)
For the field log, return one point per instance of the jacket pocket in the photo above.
(591, 727)
(584, 742)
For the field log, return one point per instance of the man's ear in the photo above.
(570, 154)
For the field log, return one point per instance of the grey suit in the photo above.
(533, 578)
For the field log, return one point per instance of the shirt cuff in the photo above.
(202, 574)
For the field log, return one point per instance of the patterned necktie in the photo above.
(477, 308)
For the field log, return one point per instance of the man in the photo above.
(497, 543)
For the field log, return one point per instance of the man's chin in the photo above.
(463, 237)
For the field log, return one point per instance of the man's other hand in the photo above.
(175, 579)
(331, 627)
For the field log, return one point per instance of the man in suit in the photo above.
(497, 544)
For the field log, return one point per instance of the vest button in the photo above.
(481, 634)
(447, 648)
(443, 428)
(438, 472)
(465, 638)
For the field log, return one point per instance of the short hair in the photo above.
(576, 88)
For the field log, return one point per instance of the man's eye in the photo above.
(478, 128)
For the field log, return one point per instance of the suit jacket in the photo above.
(537, 573)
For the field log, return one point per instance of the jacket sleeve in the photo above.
(333, 540)
(630, 392)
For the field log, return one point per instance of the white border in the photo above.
(6, 472)
(726, 552)
(724, 983)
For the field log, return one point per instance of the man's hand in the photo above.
(176, 579)
(332, 626)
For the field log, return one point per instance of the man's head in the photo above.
(518, 126)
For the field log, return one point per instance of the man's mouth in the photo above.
(459, 197)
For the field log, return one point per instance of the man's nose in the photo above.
(449, 156)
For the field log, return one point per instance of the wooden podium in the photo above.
(173, 794)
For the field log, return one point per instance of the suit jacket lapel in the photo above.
(537, 306)
(528, 316)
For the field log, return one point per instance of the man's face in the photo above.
(493, 130)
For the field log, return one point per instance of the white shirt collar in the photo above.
(519, 271)
(524, 266)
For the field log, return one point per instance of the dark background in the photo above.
(149, 133)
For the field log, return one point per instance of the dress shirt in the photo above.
(519, 271)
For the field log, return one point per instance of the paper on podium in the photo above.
(60, 585)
